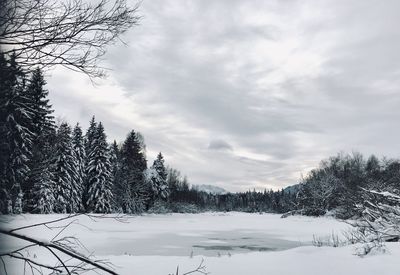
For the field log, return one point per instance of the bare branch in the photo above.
(45, 223)
(71, 33)
(201, 268)
(26, 259)
(58, 247)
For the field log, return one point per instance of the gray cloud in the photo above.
(287, 83)
(219, 144)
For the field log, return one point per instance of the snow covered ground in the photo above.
(229, 243)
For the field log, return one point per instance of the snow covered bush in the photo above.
(380, 221)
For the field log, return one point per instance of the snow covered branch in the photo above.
(380, 221)
(57, 247)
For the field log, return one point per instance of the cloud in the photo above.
(219, 144)
(287, 83)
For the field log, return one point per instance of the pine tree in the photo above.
(131, 190)
(159, 166)
(42, 118)
(80, 156)
(16, 137)
(5, 86)
(43, 199)
(99, 196)
(115, 161)
(115, 158)
(43, 128)
(89, 140)
(90, 133)
(157, 177)
(66, 193)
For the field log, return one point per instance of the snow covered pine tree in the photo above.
(66, 194)
(15, 133)
(88, 142)
(156, 175)
(131, 189)
(38, 189)
(99, 194)
(80, 155)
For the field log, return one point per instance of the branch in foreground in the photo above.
(64, 245)
(71, 33)
(53, 247)
(201, 269)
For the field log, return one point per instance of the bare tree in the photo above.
(71, 33)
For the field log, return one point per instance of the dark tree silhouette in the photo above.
(71, 33)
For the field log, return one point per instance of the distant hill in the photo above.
(292, 189)
(212, 189)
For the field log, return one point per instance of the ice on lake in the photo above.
(158, 244)
(208, 243)
(207, 234)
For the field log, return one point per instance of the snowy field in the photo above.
(229, 243)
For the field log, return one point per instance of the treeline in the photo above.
(250, 201)
(342, 185)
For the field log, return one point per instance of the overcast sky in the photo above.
(249, 94)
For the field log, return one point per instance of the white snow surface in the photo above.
(228, 243)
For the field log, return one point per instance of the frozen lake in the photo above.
(201, 243)
(207, 234)
(229, 243)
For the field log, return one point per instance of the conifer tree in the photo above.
(43, 128)
(90, 133)
(88, 142)
(80, 156)
(66, 193)
(42, 119)
(16, 137)
(99, 196)
(6, 76)
(159, 166)
(131, 190)
(115, 157)
(157, 177)
(43, 199)
(115, 161)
